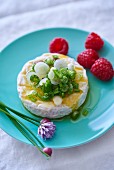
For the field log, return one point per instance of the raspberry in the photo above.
(102, 69)
(87, 58)
(94, 42)
(59, 45)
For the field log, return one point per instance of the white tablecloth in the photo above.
(18, 18)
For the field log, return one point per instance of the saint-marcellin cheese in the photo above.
(55, 108)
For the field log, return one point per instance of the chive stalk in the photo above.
(25, 131)
(30, 119)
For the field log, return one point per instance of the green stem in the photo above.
(20, 114)
(25, 133)
(7, 113)
(32, 121)
(24, 117)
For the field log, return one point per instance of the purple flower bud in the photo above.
(44, 120)
(48, 151)
(46, 129)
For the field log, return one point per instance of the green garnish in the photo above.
(33, 96)
(75, 85)
(45, 97)
(34, 79)
(75, 115)
(64, 79)
(49, 61)
(76, 90)
(56, 90)
(72, 74)
(85, 112)
(58, 74)
(62, 95)
(27, 133)
(63, 87)
(70, 90)
(55, 57)
(32, 69)
(64, 71)
(28, 118)
(46, 87)
(66, 83)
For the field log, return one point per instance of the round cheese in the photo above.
(49, 108)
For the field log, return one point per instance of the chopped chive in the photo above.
(75, 115)
(32, 98)
(64, 79)
(32, 68)
(44, 97)
(64, 71)
(76, 90)
(58, 75)
(56, 91)
(85, 112)
(34, 78)
(63, 95)
(49, 61)
(72, 74)
(55, 57)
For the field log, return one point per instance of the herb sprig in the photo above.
(28, 134)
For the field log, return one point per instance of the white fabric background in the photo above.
(19, 17)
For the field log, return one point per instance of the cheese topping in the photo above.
(30, 84)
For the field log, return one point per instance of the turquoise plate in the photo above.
(100, 101)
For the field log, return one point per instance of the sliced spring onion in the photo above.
(55, 57)
(85, 112)
(45, 97)
(48, 86)
(72, 74)
(51, 73)
(70, 66)
(57, 100)
(32, 95)
(64, 71)
(64, 79)
(32, 69)
(63, 87)
(34, 79)
(54, 82)
(56, 90)
(60, 63)
(43, 81)
(51, 76)
(75, 115)
(41, 69)
(29, 74)
(70, 90)
(49, 61)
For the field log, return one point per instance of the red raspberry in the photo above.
(94, 42)
(59, 45)
(87, 58)
(102, 69)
